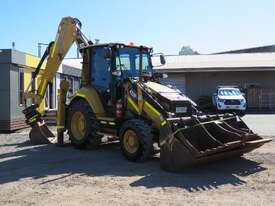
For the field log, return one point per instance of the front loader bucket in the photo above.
(206, 138)
(40, 134)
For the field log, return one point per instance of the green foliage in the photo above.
(187, 50)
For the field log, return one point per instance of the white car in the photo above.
(229, 98)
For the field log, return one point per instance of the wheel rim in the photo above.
(78, 125)
(130, 141)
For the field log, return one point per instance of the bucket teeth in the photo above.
(205, 140)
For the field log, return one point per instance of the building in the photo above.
(16, 70)
(251, 69)
(199, 75)
(260, 49)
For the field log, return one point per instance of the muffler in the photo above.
(200, 139)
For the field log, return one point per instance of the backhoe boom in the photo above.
(68, 32)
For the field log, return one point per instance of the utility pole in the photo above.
(39, 44)
(97, 41)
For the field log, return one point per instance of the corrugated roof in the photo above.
(259, 49)
(244, 61)
(200, 63)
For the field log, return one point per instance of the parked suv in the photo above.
(229, 98)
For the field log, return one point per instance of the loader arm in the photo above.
(68, 32)
(190, 138)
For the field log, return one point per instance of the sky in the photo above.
(207, 26)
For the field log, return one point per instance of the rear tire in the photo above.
(82, 125)
(136, 140)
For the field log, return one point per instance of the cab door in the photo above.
(100, 70)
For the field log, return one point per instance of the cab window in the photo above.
(145, 63)
(100, 75)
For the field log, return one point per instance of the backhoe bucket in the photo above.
(40, 134)
(195, 140)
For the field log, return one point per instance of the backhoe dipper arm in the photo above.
(68, 33)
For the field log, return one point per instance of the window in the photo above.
(125, 62)
(71, 89)
(130, 59)
(76, 84)
(21, 86)
(101, 75)
(145, 63)
(229, 92)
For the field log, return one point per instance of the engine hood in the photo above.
(172, 94)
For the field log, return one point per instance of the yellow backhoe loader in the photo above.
(121, 97)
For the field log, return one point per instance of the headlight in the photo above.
(242, 101)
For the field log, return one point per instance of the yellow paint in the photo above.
(27, 78)
(163, 123)
(91, 96)
(133, 104)
(152, 108)
(43, 87)
(105, 122)
(33, 118)
(54, 49)
(81, 95)
(41, 108)
(32, 61)
(153, 114)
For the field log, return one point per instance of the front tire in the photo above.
(136, 140)
(82, 125)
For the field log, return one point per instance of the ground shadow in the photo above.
(6, 132)
(17, 145)
(205, 177)
(45, 160)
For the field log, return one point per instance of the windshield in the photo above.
(229, 92)
(128, 61)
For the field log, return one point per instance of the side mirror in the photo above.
(162, 59)
(108, 53)
(158, 59)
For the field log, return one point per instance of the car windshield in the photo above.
(229, 92)
(128, 60)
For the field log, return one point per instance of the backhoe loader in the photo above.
(121, 97)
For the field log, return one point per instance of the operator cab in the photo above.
(111, 65)
(119, 61)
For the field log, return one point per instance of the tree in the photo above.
(187, 50)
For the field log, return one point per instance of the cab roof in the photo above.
(120, 45)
